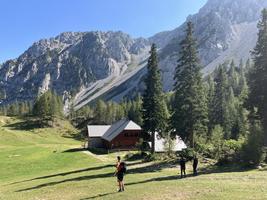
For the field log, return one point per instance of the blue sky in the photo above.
(25, 21)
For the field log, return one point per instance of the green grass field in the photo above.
(42, 164)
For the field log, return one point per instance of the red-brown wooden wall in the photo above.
(125, 140)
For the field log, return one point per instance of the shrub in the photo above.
(224, 151)
(142, 145)
(230, 151)
(252, 150)
(188, 153)
(169, 145)
(158, 157)
(135, 156)
(212, 147)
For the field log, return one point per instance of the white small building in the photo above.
(179, 144)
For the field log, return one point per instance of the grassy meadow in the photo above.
(44, 164)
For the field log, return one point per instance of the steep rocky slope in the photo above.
(87, 65)
(225, 30)
(69, 63)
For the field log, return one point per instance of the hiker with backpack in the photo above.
(120, 171)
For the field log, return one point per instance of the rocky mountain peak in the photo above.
(67, 63)
(89, 65)
(235, 11)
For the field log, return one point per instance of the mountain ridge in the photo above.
(84, 66)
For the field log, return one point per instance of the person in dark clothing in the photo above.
(118, 162)
(117, 168)
(183, 167)
(195, 164)
(120, 174)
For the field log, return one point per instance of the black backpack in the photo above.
(123, 167)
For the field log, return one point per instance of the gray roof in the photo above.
(109, 132)
(97, 130)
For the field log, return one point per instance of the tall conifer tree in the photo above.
(220, 101)
(190, 106)
(258, 75)
(154, 108)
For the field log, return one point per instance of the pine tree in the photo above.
(233, 77)
(154, 108)
(258, 77)
(119, 112)
(248, 65)
(190, 107)
(99, 112)
(210, 97)
(23, 110)
(3, 110)
(243, 124)
(72, 113)
(52, 104)
(243, 89)
(219, 104)
(13, 109)
(232, 116)
(252, 151)
(111, 113)
(60, 105)
(41, 107)
(135, 112)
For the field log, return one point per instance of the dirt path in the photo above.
(99, 157)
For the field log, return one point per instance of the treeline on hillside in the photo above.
(16, 109)
(228, 117)
(109, 112)
(227, 93)
(47, 106)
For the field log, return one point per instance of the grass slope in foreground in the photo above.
(39, 164)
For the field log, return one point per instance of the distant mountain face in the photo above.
(68, 63)
(225, 30)
(111, 65)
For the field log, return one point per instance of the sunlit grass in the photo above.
(41, 164)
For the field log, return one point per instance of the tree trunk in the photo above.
(191, 139)
(153, 142)
(265, 131)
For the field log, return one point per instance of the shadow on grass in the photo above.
(29, 124)
(98, 196)
(81, 178)
(145, 169)
(94, 151)
(215, 169)
(203, 171)
(74, 150)
(98, 151)
(65, 173)
(75, 172)
(76, 136)
(155, 167)
(165, 178)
